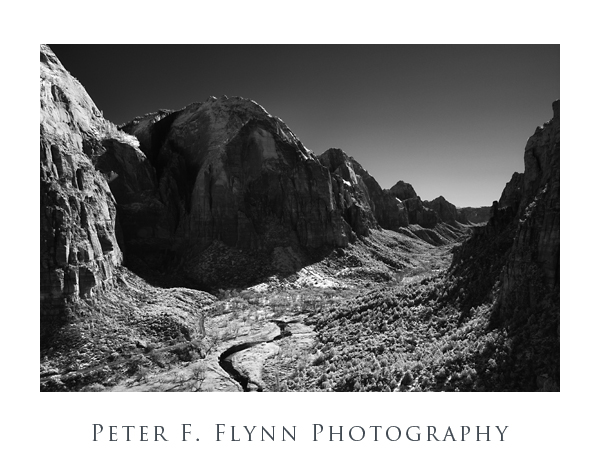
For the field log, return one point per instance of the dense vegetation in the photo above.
(404, 339)
(414, 338)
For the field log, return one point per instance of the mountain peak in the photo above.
(403, 191)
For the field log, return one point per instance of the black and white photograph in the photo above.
(311, 234)
(300, 218)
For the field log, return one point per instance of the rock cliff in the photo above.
(363, 196)
(233, 177)
(513, 261)
(532, 271)
(172, 191)
(417, 212)
(78, 242)
(450, 214)
(512, 193)
(403, 191)
(445, 210)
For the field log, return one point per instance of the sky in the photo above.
(451, 120)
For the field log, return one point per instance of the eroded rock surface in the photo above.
(512, 193)
(233, 177)
(78, 243)
(416, 211)
(420, 214)
(533, 263)
(445, 210)
(518, 253)
(403, 191)
(365, 204)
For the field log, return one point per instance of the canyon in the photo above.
(207, 249)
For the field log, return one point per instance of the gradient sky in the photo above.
(452, 120)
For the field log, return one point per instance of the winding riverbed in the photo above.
(226, 358)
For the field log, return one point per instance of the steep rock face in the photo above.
(143, 219)
(419, 214)
(534, 258)
(229, 173)
(527, 217)
(366, 204)
(353, 194)
(390, 212)
(445, 210)
(514, 259)
(512, 193)
(416, 211)
(78, 244)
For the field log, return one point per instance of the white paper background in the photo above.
(56, 429)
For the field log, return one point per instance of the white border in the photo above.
(55, 429)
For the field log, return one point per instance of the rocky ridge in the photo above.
(533, 262)
(445, 210)
(175, 189)
(363, 197)
(403, 191)
(417, 212)
(233, 181)
(514, 259)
